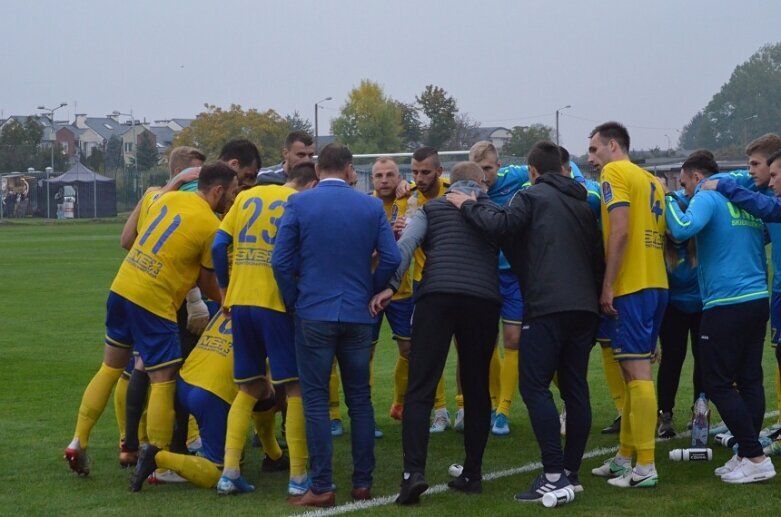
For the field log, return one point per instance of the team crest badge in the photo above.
(607, 192)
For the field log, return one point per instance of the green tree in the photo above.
(441, 110)
(214, 127)
(522, 138)
(21, 148)
(147, 152)
(113, 158)
(96, 159)
(465, 134)
(746, 106)
(296, 122)
(370, 122)
(412, 129)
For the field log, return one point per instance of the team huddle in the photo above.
(246, 293)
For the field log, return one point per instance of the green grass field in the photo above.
(55, 279)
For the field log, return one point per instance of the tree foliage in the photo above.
(95, 160)
(113, 158)
(20, 148)
(214, 127)
(412, 128)
(146, 152)
(370, 122)
(441, 110)
(465, 134)
(522, 138)
(747, 105)
(296, 122)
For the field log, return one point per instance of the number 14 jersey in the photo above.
(624, 184)
(252, 223)
(172, 245)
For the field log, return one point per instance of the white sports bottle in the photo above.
(558, 497)
(693, 454)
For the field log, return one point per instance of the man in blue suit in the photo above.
(323, 265)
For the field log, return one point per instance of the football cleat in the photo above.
(78, 461)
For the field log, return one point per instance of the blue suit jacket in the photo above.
(322, 257)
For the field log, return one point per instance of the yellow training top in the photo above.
(626, 184)
(210, 365)
(166, 259)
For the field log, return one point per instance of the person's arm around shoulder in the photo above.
(759, 205)
(488, 217)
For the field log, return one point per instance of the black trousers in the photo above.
(731, 342)
(558, 343)
(475, 324)
(676, 330)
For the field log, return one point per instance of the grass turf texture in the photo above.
(55, 282)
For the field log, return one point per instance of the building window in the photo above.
(64, 147)
(128, 147)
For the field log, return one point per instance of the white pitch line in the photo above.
(442, 487)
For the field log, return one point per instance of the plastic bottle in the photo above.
(558, 497)
(693, 454)
(701, 422)
(412, 207)
(455, 470)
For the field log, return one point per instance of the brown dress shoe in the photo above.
(362, 494)
(323, 500)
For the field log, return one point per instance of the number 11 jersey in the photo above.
(173, 244)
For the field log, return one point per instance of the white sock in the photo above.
(553, 477)
(644, 470)
(75, 444)
(231, 473)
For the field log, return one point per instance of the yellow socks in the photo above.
(193, 433)
(120, 404)
(439, 397)
(238, 425)
(495, 378)
(401, 378)
(94, 401)
(459, 401)
(626, 442)
(198, 471)
(333, 394)
(643, 417)
(296, 438)
(509, 381)
(160, 413)
(615, 381)
(265, 426)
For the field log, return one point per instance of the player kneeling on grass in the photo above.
(172, 253)
(205, 388)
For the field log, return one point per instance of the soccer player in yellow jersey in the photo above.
(386, 178)
(172, 253)
(634, 291)
(206, 389)
(261, 326)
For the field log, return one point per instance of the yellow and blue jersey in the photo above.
(147, 200)
(210, 365)
(393, 210)
(252, 224)
(624, 184)
(172, 246)
(420, 256)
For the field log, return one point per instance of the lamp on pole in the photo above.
(745, 127)
(557, 121)
(135, 142)
(317, 108)
(51, 113)
(669, 146)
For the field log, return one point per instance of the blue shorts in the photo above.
(512, 304)
(154, 338)
(607, 329)
(637, 326)
(260, 333)
(775, 318)
(211, 413)
(399, 314)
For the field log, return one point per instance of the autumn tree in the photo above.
(369, 122)
(466, 133)
(441, 110)
(215, 127)
(296, 122)
(522, 138)
(412, 128)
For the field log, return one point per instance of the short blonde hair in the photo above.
(381, 160)
(482, 150)
(182, 157)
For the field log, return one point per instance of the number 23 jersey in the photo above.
(166, 258)
(252, 223)
(624, 184)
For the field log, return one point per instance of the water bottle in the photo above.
(558, 497)
(455, 470)
(412, 207)
(693, 454)
(700, 423)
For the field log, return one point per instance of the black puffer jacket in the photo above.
(551, 240)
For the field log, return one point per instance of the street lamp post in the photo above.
(317, 108)
(51, 113)
(669, 145)
(557, 121)
(745, 127)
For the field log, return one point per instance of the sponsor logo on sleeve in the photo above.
(607, 192)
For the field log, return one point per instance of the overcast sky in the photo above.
(650, 64)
